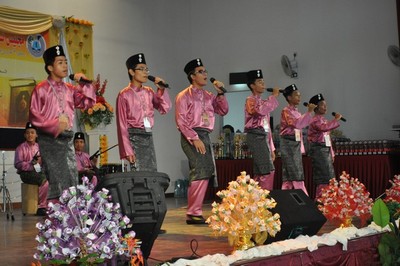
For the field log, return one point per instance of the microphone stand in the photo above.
(98, 153)
(6, 194)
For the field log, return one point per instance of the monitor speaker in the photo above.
(141, 197)
(299, 214)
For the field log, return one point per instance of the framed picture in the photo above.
(21, 91)
(15, 112)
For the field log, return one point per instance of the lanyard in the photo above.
(61, 101)
(142, 100)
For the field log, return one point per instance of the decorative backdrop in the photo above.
(24, 36)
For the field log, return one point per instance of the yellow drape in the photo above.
(17, 21)
(79, 36)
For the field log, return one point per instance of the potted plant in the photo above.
(385, 213)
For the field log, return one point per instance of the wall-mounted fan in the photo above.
(289, 66)
(394, 54)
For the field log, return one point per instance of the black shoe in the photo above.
(41, 212)
(192, 219)
(162, 231)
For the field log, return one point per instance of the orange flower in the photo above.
(102, 111)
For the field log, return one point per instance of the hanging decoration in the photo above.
(103, 149)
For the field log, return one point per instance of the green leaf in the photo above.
(385, 254)
(380, 213)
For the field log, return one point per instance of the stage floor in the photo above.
(18, 243)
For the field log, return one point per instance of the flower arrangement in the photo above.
(101, 112)
(85, 227)
(243, 215)
(345, 199)
(393, 193)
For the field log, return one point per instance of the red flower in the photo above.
(100, 99)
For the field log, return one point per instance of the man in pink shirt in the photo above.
(291, 141)
(52, 111)
(321, 151)
(195, 111)
(256, 125)
(86, 166)
(28, 163)
(135, 115)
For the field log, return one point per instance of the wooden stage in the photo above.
(18, 243)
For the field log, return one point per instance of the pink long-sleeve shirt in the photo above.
(23, 156)
(292, 119)
(191, 104)
(133, 105)
(319, 127)
(257, 110)
(83, 161)
(49, 102)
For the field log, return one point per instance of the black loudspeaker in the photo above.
(299, 214)
(142, 199)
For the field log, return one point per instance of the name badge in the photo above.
(146, 123)
(37, 168)
(205, 119)
(266, 126)
(297, 134)
(327, 141)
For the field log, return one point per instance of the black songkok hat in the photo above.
(289, 89)
(316, 99)
(253, 75)
(134, 60)
(51, 53)
(29, 125)
(192, 65)
(79, 135)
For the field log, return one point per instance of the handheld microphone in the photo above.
(272, 89)
(162, 84)
(305, 104)
(342, 118)
(221, 88)
(81, 80)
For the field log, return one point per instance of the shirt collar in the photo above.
(55, 83)
(134, 88)
(196, 90)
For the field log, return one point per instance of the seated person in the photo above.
(86, 166)
(28, 163)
